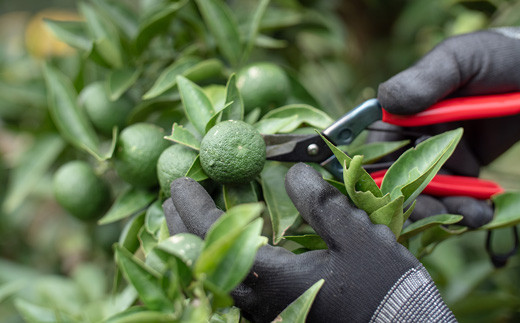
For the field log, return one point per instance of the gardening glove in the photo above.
(368, 275)
(479, 63)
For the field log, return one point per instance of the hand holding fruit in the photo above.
(480, 63)
(364, 268)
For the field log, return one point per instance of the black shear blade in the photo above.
(296, 148)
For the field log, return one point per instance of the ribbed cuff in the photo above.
(413, 298)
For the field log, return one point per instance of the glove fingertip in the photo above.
(173, 220)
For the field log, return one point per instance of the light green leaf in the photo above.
(390, 215)
(196, 104)
(416, 167)
(184, 246)
(147, 240)
(298, 310)
(119, 81)
(154, 217)
(31, 167)
(129, 202)
(309, 241)
(253, 28)
(121, 15)
(70, 32)
(156, 22)
(91, 280)
(72, 123)
(235, 110)
(10, 288)
(33, 313)
(168, 78)
(507, 211)
(239, 194)
(274, 125)
(222, 24)
(264, 41)
(128, 238)
(374, 151)
(183, 136)
(305, 114)
(226, 315)
(196, 172)
(428, 222)
(145, 280)
(281, 209)
(141, 314)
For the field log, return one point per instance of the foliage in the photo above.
(174, 63)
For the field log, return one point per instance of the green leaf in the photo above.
(235, 110)
(309, 241)
(146, 240)
(128, 238)
(281, 209)
(183, 136)
(204, 70)
(129, 202)
(72, 123)
(144, 279)
(374, 151)
(298, 310)
(196, 172)
(223, 26)
(168, 78)
(197, 106)
(121, 15)
(226, 315)
(70, 32)
(274, 125)
(141, 314)
(390, 215)
(507, 211)
(305, 114)
(428, 222)
(416, 167)
(184, 246)
(299, 94)
(119, 81)
(154, 217)
(239, 194)
(228, 249)
(10, 288)
(33, 313)
(31, 167)
(156, 22)
(253, 28)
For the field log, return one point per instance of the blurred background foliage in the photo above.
(340, 50)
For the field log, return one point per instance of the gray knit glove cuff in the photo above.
(413, 298)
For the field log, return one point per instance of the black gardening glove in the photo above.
(367, 273)
(480, 63)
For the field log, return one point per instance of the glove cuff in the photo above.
(414, 297)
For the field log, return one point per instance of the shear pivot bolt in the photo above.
(313, 149)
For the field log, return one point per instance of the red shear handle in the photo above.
(451, 185)
(464, 108)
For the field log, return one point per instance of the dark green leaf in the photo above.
(428, 222)
(72, 123)
(306, 114)
(263, 41)
(235, 111)
(128, 238)
(33, 164)
(298, 310)
(507, 211)
(196, 104)
(239, 194)
(281, 210)
(71, 32)
(131, 201)
(183, 136)
(196, 172)
(223, 26)
(253, 28)
(309, 241)
(168, 78)
(299, 94)
(121, 80)
(121, 16)
(374, 151)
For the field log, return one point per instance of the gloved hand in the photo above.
(368, 275)
(479, 63)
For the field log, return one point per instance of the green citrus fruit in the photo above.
(263, 85)
(104, 113)
(80, 191)
(138, 149)
(174, 162)
(232, 152)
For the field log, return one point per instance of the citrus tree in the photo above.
(149, 91)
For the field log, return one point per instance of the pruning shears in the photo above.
(312, 148)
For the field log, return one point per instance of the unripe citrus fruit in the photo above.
(232, 152)
(80, 191)
(263, 85)
(174, 162)
(138, 149)
(104, 113)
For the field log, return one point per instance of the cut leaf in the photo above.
(183, 136)
(281, 209)
(507, 211)
(428, 222)
(223, 26)
(129, 202)
(197, 106)
(298, 310)
(305, 114)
